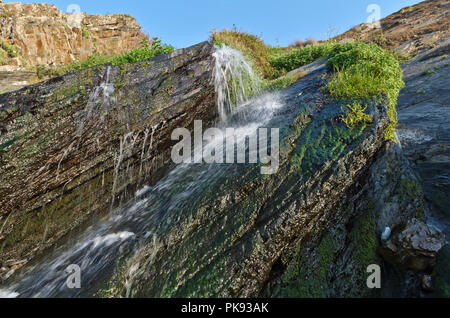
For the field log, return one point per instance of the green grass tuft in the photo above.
(363, 71)
(252, 47)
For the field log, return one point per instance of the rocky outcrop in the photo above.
(46, 36)
(81, 144)
(41, 35)
(441, 274)
(412, 30)
(334, 263)
(424, 127)
(320, 217)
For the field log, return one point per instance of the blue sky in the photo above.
(186, 22)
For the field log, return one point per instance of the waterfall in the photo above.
(98, 249)
(234, 80)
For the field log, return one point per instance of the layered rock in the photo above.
(82, 143)
(41, 35)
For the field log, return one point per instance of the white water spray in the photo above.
(234, 80)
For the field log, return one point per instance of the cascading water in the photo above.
(98, 249)
(234, 80)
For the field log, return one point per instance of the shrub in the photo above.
(355, 115)
(363, 71)
(11, 49)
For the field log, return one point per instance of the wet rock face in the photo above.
(48, 36)
(424, 127)
(241, 232)
(84, 142)
(413, 246)
(334, 262)
(441, 274)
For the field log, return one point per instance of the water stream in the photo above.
(97, 249)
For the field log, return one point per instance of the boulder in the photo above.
(413, 246)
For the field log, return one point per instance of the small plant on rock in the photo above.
(355, 115)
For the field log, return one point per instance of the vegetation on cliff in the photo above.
(360, 71)
(148, 49)
(7, 51)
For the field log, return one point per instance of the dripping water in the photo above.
(98, 249)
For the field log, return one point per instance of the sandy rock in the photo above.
(46, 35)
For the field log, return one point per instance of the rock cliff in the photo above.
(83, 143)
(41, 35)
(47, 36)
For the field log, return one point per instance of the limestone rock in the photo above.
(47, 36)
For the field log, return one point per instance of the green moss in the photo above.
(409, 189)
(318, 145)
(420, 214)
(355, 115)
(365, 241)
(428, 72)
(286, 62)
(420, 91)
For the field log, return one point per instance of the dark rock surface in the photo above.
(82, 143)
(424, 127)
(311, 230)
(441, 275)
